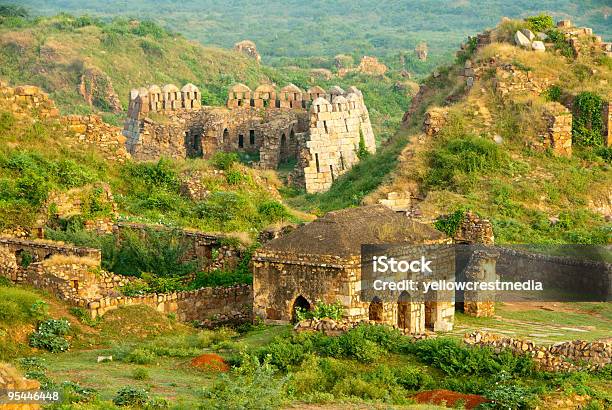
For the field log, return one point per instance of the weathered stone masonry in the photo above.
(320, 130)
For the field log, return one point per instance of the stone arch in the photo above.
(375, 310)
(320, 105)
(299, 303)
(225, 137)
(292, 135)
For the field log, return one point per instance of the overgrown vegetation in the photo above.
(587, 123)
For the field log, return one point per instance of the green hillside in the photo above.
(298, 29)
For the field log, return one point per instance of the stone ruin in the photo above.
(248, 48)
(322, 261)
(421, 51)
(319, 131)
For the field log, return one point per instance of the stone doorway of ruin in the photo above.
(300, 303)
(404, 307)
(375, 311)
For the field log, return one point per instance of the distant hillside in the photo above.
(319, 28)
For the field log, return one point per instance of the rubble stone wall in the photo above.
(566, 356)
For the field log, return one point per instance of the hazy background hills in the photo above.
(298, 29)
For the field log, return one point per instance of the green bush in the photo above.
(19, 306)
(553, 93)
(50, 335)
(456, 163)
(449, 224)
(235, 177)
(587, 123)
(253, 386)
(225, 160)
(141, 356)
(131, 396)
(321, 310)
(140, 374)
(273, 211)
(540, 23)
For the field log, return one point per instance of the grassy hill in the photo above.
(529, 195)
(300, 31)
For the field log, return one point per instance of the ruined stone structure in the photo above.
(435, 119)
(25, 99)
(607, 122)
(320, 130)
(421, 51)
(90, 129)
(322, 261)
(558, 136)
(248, 48)
(74, 275)
(11, 380)
(474, 230)
(566, 356)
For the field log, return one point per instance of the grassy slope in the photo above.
(520, 192)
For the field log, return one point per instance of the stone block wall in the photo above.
(398, 201)
(474, 229)
(27, 99)
(558, 135)
(207, 305)
(434, 121)
(566, 356)
(11, 379)
(90, 129)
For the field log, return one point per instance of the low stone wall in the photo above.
(434, 121)
(558, 136)
(331, 327)
(474, 229)
(207, 305)
(26, 99)
(40, 250)
(566, 356)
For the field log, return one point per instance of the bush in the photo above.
(141, 356)
(140, 374)
(587, 124)
(273, 211)
(50, 335)
(540, 23)
(553, 93)
(18, 306)
(131, 396)
(224, 160)
(321, 310)
(450, 224)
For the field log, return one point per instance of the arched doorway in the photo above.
(375, 311)
(404, 307)
(300, 303)
(225, 138)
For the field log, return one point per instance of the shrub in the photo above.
(141, 356)
(553, 93)
(508, 396)
(50, 335)
(131, 396)
(20, 306)
(273, 211)
(254, 386)
(540, 23)
(321, 310)
(140, 374)
(235, 177)
(224, 160)
(450, 224)
(587, 124)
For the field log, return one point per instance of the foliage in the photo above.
(456, 163)
(50, 335)
(362, 151)
(455, 359)
(84, 316)
(140, 373)
(254, 386)
(540, 23)
(225, 160)
(20, 306)
(587, 124)
(10, 10)
(450, 223)
(273, 211)
(553, 93)
(321, 310)
(558, 39)
(131, 396)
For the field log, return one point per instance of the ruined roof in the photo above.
(265, 88)
(187, 88)
(341, 233)
(352, 97)
(355, 90)
(154, 89)
(134, 93)
(143, 92)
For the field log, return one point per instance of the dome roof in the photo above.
(291, 88)
(143, 92)
(265, 88)
(335, 90)
(316, 90)
(240, 88)
(134, 92)
(188, 88)
(320, 101)
(339, 100)
(352, 97)
(355, 90)
(154, 89)
(170, 88)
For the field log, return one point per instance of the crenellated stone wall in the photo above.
(321, 130)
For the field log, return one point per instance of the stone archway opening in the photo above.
(375, 310)
(300, 304)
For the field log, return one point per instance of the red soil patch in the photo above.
(449, 398)
(210, 361)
